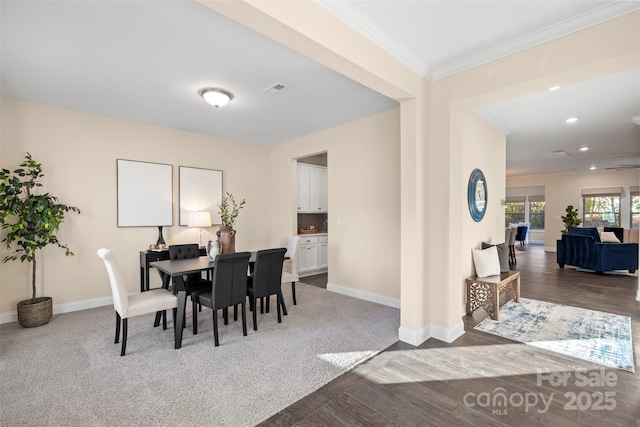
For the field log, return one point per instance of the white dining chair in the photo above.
(290, 266)
(127, 305)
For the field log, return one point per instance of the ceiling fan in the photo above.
(623, 167)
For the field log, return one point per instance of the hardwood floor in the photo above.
(317, 280)
(440, 384)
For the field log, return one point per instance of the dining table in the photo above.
(175, 270)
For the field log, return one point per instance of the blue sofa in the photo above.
(582, 248)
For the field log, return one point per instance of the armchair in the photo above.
(581, 247)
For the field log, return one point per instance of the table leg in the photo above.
(179, 323)
(468, 286)
(165, 285)
(518, 289)
(496, 302)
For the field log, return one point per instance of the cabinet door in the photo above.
(307, 257)
(323, 258)
(318, 190)
(303, 188)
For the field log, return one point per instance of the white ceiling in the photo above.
(146, 61)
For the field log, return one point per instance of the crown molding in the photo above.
(353, 18)
(580, 22)
(360, 23)
(489, 118)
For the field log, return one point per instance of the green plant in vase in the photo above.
(32, 222)
(229, 210)
(570, 219)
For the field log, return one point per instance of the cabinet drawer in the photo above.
(307, 240)
(323, 239)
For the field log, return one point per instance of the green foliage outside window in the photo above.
(536, 215)
(514, 213)
(635, 212)
(602, 211)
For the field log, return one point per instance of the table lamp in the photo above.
(199, 219)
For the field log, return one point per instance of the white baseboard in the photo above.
(414, 337)
(367, 296)
(417, 337)
(550, 249)
(12, 316)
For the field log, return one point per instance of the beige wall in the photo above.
(563, 189)
(78, 153)
(363, 193)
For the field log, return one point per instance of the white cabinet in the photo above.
(323, 249)
(303, 188)
(312, 188)
(312, 254)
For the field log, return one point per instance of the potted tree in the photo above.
(32, 221)
(570, 219)
(229, 210)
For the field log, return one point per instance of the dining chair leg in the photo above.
(293, 292)
(194, 318)
(164, 320)
(244, 319)
(255, 316)
(215, 328)
(235, 313)
(284, 306)
(118, 320)
(262, 306)
(267, 304)
(124, 336)
(156, 322)
(225, 315)
(278, 308)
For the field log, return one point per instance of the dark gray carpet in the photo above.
(69, 372)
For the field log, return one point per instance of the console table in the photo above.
(485, 292)
(147, 257)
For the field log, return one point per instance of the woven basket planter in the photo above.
(35, 312)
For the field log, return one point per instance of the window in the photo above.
(536, 215)
(601, 207)
(635, 207)
(515, 211)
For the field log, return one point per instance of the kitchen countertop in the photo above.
(319, 233)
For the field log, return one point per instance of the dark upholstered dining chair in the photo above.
(193, 281)
(228, 288)
(155, 300)
(266, 280)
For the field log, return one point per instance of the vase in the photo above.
(35, 312)
(227, 239)
(213, 249)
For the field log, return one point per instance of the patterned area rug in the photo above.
(595, 336)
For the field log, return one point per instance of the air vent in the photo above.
(275, 88)
(557, 154)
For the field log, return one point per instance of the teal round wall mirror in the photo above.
(477, 195)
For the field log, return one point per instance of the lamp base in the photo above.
(160, 238)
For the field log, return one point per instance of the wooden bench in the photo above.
(485, 291)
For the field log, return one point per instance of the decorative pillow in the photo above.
(608, 237)
(503, 255)
(486, 261)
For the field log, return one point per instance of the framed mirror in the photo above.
(477, 195)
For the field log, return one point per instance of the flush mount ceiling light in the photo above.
(216, 97)
(571, 120)
(592, 168)
(552, 88)
(584, 148)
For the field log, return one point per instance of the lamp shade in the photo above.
(216, 97)
(199, 219)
